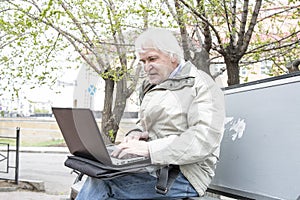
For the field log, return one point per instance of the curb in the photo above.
(39, 149)
(44, 150)
(24, 184)
(8, 189)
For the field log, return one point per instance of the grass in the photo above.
(50, 143)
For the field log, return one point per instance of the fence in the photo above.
(5, 154)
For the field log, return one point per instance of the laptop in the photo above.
(83, 138)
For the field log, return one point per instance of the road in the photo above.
(46, 167)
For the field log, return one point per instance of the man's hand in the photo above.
(136, 135)
(138, 147)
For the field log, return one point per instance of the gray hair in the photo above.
(159, 39)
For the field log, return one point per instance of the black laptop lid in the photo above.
(81, 133)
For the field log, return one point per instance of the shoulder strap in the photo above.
(146, 87)
(166, 178)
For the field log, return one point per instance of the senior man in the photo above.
(181, 123)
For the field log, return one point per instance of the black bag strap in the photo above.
(146, 87)
(166, 178)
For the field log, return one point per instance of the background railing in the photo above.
(5, 154)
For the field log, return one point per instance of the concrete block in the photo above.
(34, 185)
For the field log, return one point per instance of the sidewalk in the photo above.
(29, 195)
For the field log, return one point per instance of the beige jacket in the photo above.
(184, 117)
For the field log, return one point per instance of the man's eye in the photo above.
(152, 58)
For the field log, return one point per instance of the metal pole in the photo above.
(17, 155)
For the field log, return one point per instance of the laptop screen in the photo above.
(81, 133)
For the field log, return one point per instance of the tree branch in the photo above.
(206, 31)
(205, 20)
(183, 31)
(274, 43)
(274, 14)
(84, 35)
(243, 25)
(250, 30)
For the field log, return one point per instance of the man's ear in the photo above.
(173, 58)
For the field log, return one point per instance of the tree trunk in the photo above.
(107, 123)
(233, 71)
(120, 101)
(112, 113)
(201, 60)
(183, 31)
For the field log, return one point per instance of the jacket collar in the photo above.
(181, 80)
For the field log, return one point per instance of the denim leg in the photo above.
(136, 186)
(93, 189)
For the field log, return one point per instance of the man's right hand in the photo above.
(136, 135)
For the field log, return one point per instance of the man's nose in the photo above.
(147, 66)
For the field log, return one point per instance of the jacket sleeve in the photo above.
(204, 131)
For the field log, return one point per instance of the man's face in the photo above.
(157, 65)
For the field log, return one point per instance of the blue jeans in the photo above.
(137, 186)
